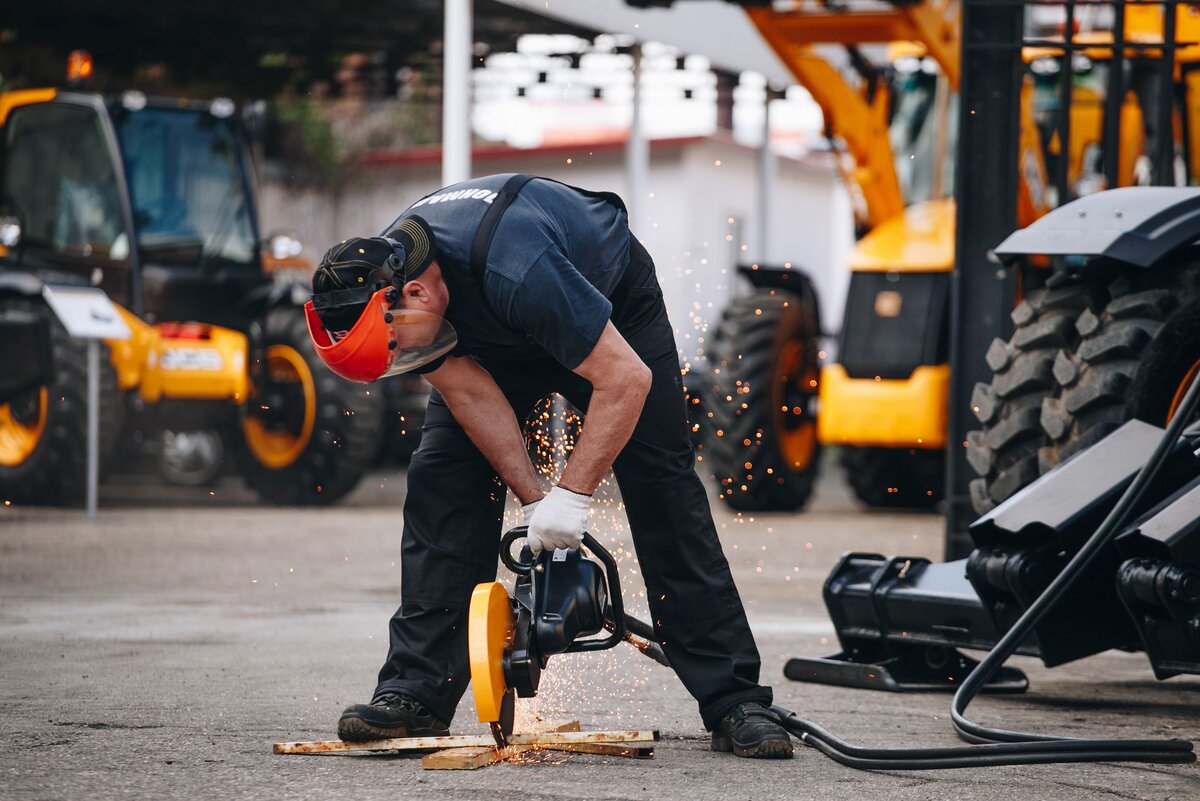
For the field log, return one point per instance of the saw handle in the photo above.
(511, 562)
(616, 603)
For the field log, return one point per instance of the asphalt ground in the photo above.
(159, 653)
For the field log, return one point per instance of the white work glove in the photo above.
(527, 511)
(558, 521)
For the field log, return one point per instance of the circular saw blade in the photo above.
(502, 729)
(489, 631)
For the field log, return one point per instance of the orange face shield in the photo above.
(382, 342)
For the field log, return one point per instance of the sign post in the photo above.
(88, 314)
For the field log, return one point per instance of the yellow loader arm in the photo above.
(858, 115)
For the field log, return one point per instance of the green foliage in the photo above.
(302, 139)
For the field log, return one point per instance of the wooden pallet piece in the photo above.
(470, 758)
(547, 726)
(475, 758)
(604, 749)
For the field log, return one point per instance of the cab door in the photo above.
(62, 177)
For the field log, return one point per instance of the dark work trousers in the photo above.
(452, 519)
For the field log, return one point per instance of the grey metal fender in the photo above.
(1141, 225)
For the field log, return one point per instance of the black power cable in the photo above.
(999, 746)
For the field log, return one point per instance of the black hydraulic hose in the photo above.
(1062, 583)
(993, 746)
(976, 756)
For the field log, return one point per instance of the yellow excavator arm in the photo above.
(858, 114)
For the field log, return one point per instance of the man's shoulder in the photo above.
(477, 190)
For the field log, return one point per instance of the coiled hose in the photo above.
(994, 746)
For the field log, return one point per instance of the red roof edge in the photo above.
(432, 154)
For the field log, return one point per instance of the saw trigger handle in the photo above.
(614, 598)
(512, 563)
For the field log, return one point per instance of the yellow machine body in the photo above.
(177, 362)
(885, 413)
(490, 626)
(919, 239)
(878, 412)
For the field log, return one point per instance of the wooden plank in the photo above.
(605, 749)
(414, 743)
(472, 758)
(394, 744)
(466, 741)
(547, 726)
(475, 758)
(469, 758)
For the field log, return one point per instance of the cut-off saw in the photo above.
(560, 600)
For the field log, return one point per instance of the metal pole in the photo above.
(1066, 83)
(456, 92)
(637, 150)
(93, 425)
(1164, 155)
(1114, 98)
(986, 187)
(766, 183)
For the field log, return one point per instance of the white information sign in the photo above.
(86, 312)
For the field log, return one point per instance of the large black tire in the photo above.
(1005, 452)
(295, 463)
(895, 478)
(763, 358)
(1136, 356)
(43, 433)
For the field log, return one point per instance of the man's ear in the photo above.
(416, 294)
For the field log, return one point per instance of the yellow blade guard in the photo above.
(490, 627)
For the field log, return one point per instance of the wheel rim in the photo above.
(1182, 389)
(21, 433)
(279, 442)
(795, 387)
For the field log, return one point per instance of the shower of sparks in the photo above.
(603, 685)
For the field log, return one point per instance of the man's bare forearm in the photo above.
(620, 383)
(480, 407)
(611, 417)
(493, 428)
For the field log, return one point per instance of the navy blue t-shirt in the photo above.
(555, 259)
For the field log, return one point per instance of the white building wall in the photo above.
(690, 201)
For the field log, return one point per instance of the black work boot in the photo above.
(389, 715)
(751, 730)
